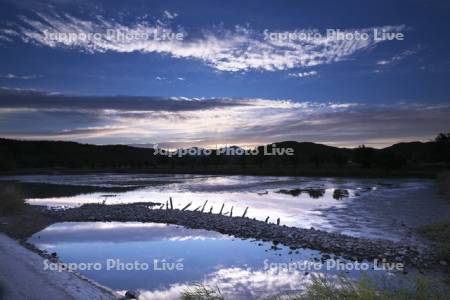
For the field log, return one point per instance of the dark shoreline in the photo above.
(431, 173)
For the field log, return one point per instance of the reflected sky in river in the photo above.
(357, 207)
(242, 269)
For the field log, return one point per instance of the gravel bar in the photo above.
(346, 246)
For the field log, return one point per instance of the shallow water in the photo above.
(374, 208)
(242, 269)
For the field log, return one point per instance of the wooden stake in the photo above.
(203, 208)
(245, 212)
(184, 208)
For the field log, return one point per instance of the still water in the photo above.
(373, 208)
(241, 269)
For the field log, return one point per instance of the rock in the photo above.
(352, 247)
(340, 193)
(443, 263)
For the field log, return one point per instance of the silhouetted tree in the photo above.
(7, 162)
(339, 159)
(390, 161)
(442, 138)
(364, 156)
(442, 147)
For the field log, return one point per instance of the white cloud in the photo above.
(383, 62)
(253, 283)
(303, 74)
(170, 15)
(207, 122)
(237, 50)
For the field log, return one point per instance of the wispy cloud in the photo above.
(396, 58)
(170, 15)
(14, 76)
(303, 74)
(184, 122)
(236, 50)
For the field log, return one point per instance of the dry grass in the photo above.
(367, 289)
(439, 234)
(11, 200)
(343, 288)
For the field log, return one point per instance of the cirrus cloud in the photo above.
(232, 50)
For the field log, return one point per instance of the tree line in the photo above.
(16, 155)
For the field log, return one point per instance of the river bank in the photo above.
(425, 171)
(19, 266)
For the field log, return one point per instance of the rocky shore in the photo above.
(348, 247)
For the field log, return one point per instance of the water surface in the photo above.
(241, 269)
(374, 208)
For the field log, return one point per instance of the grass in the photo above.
(11, 200)
(439, 234)
(342, 288)
(367, 289)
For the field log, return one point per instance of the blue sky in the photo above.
(324, 89)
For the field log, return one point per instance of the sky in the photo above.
(206, 73)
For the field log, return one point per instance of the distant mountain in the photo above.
(15, 154)
(48, 154)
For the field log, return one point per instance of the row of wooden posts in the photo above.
(201, 208)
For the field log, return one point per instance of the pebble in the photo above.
(355, 247)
